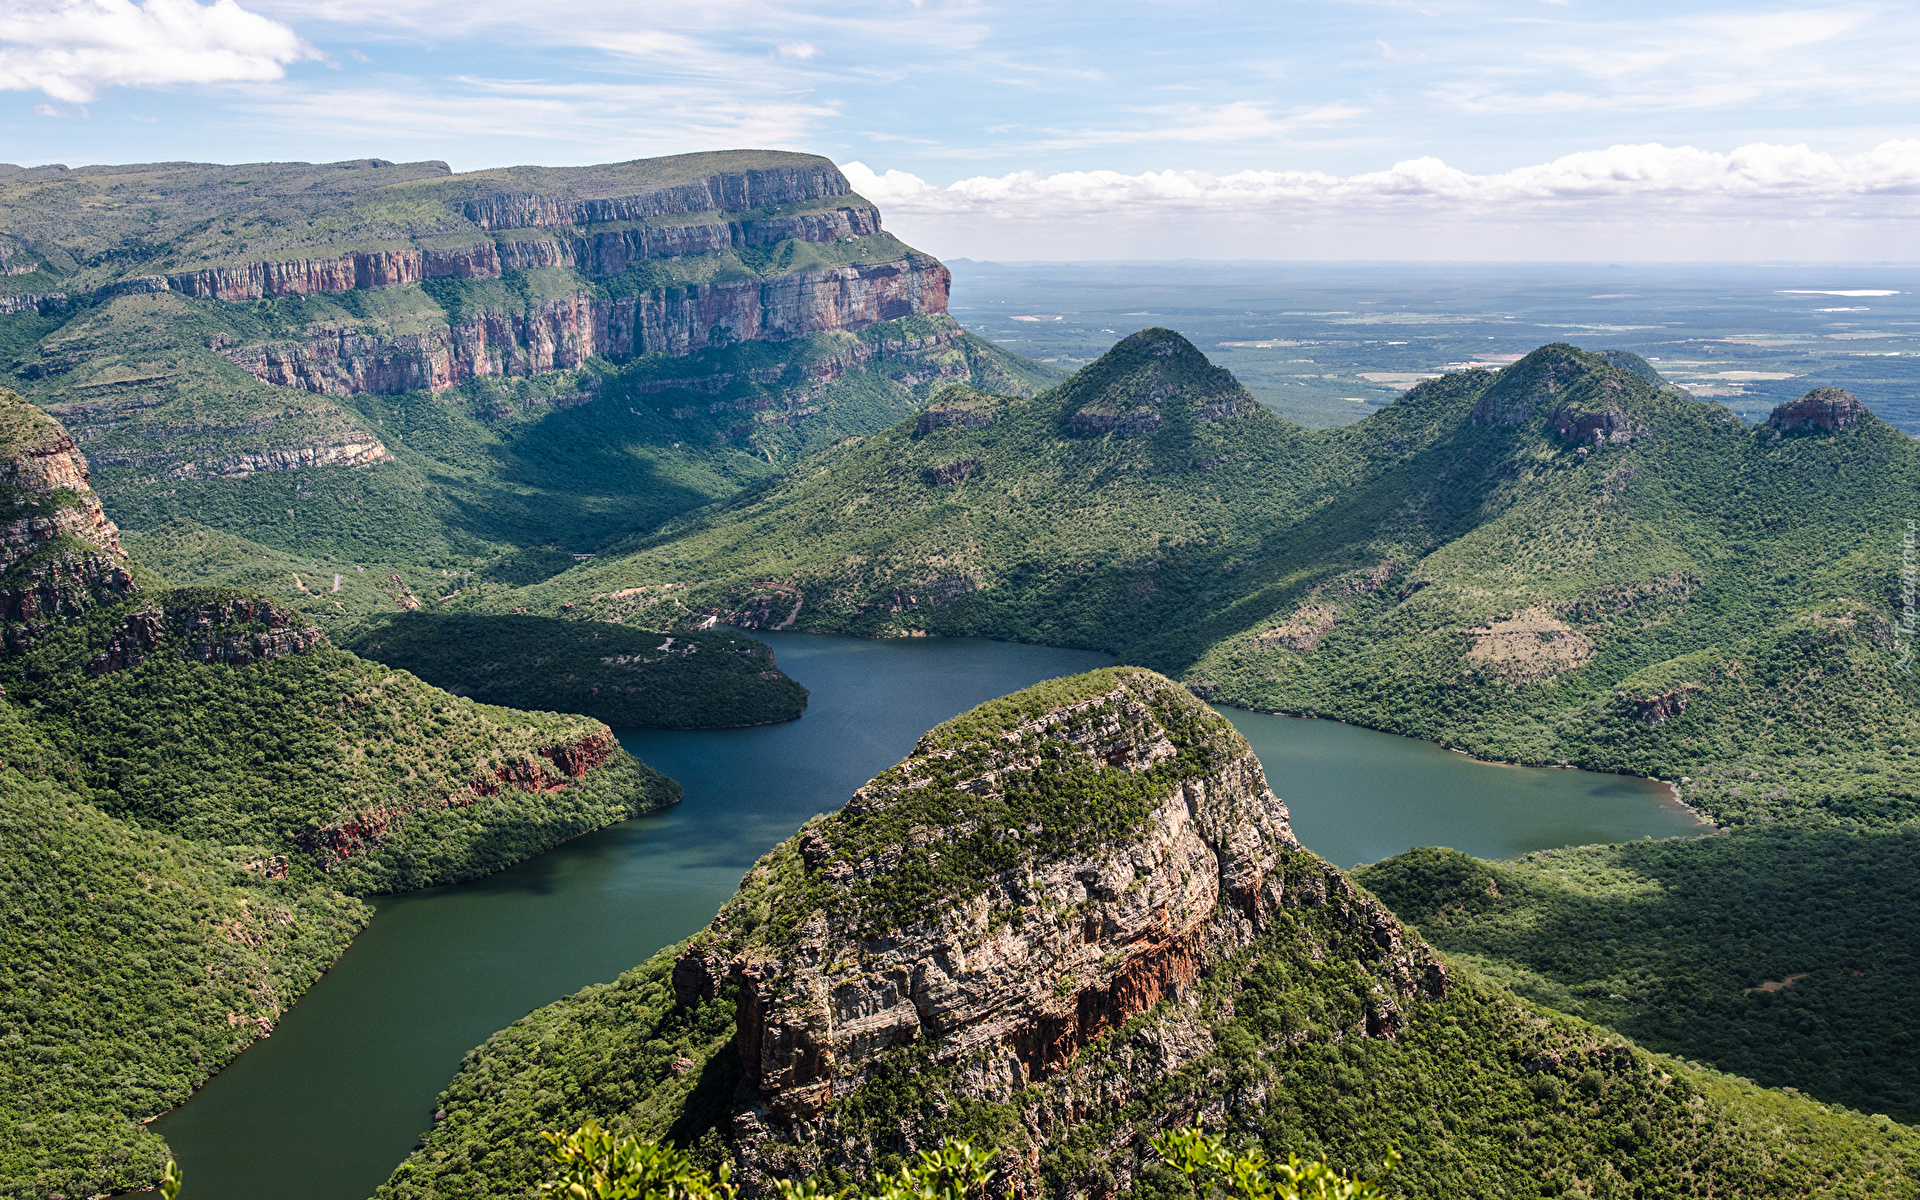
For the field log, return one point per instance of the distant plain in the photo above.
(1324, 344)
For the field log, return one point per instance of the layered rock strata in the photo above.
(1035, 876)
(563, 334)
(59, 554)
(724, 191)
(1829, 410)
(235, 630)
(45, 477)
(549, 769)
(595, 253)
(41, 303)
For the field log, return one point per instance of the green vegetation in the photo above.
(620, 675)
(556, 451)
(1211, 1168)
(1280, 1045)
(1483, 1094)
(310, 753)
(597, 1166)
(1780, 953)
(1695, 598)
(191, 780)
(133, 964)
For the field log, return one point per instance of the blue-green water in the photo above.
(326, 1107)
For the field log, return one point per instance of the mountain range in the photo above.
(531, 434)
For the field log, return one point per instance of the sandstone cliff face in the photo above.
(563, 334)
(43, 462)
(1828, 410)
(595, 254)
(59, 553)
(1095, 847)
(1592, 427)
(230, 629)
(549, 769)
(729, 191)
(42, 303)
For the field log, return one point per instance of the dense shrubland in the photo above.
(1781, 953)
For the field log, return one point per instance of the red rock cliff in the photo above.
(1009, 981)
(565, 333)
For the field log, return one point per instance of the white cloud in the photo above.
(70, 49)
(600, 121)
(1689, 61)
(1759, 172)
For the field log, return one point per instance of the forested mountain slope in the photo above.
(192, 783)
(1073, 917)
(1781, 952)
(371, 364)
(1560, 562)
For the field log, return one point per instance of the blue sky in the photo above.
(1422, 129)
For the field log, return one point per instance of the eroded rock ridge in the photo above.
(1035, 876)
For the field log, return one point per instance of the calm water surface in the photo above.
(326, 1107)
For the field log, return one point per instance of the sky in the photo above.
(1379, 129)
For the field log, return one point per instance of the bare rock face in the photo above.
(549, 769)
(59, 554)
(208, 627)
(564, 334)
(1826, 409)
(1589, 427)
(597, 254)
(948, 474)
(44, 475)
(1653, 711)
(1036, 875)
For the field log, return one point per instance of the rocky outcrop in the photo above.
(246, 629)
(45, 476)
(1828, 410)
(564, 334)
(232, 629)
(948, 474)
(729, 191)
(288, 458)
(952, 914)
(1653, 711)
(1129, 424)
(57, 587)
(958, 406)
(130, 643)
(1592, 427)
(596, 254)
(1530, 646)
(40, 303)
(549, 769)
(60, 555)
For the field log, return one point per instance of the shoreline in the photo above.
(1704, 823)
(1707, 826)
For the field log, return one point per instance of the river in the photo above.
(334, 1099)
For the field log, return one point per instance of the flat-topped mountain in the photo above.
(391, 363)
(1563, 561)
(1072, 918)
